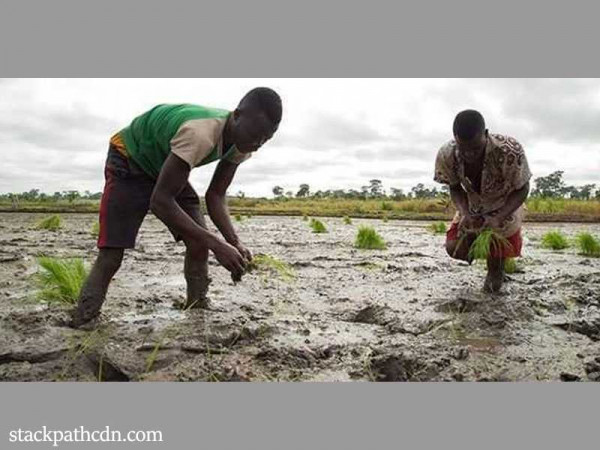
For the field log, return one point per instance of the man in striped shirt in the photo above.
(148, 167)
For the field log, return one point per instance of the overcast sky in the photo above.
(335, 133)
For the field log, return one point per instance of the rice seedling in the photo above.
(238, 218)
(95, 232)
(438, 227)
(588, 245)
(554, 240)
(368, 238)
(347, 220)
(269, 264)
(511, 266)
(385, 218)
(304, 217)
(487, 243)
(60, 279)
(317, 226)
(154, 353)
(51, 223)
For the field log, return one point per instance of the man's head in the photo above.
(255, 120)
(470, 134)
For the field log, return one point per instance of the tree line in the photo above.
(550, 186)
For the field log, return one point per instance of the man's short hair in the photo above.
(468, 124)
(267, 101)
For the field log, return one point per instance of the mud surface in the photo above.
(407, 313)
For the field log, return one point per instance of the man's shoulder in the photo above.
(448, 149)
(508, 153)
(506, 144)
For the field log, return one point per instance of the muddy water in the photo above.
(405, 313)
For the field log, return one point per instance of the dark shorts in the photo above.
(513, 250)
(126, 201)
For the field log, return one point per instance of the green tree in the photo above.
(277, 191)
(551, 186)
(303, 191)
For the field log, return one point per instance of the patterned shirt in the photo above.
(192, 132)
(505, 170)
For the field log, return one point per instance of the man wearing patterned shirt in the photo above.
(148, 167)
(488, 175)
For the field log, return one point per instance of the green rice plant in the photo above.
(385, 218)
(554, 240)
(487, 242)
(317, 226)
(95, 230)
(238, 218)
(368, 238)
(304, 217)
(438, 227)
(588, 245)
(511, 266)
(154, 353)
(60, 279)
(267, 263)
(347, 220)
(52, 223)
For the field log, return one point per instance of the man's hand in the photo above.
(230, 258)
(470, 223)
(247, 254)
(493, 222)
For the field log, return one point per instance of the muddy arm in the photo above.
(514, 201)
(171, 180)
(216, 202)
(459, 198)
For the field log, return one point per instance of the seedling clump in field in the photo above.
(52, 223)
(368, 238)
(61, 279)
(347, 220)
(438, 228)
(554, 240)
(317, 226)
(95, 230)
(511, 266)
(588, 245)
(267, 263)
(238, 218)
(486, 243)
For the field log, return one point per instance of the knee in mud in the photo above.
(451, 248)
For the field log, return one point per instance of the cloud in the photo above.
(328, 130)
(337, 134)
(74, 130)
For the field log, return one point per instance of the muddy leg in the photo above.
(94, 289)
(196, 276)
(495, 275)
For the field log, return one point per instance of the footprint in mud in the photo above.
(461, 304)
(374, 315)
(401, 367)
(589, 328)
(592, 369)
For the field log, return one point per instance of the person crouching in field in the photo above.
(148, 167)
(488, 175)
